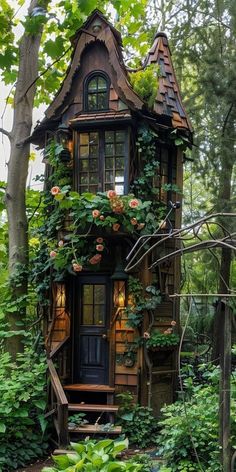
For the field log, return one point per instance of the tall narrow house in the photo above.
(113, 146)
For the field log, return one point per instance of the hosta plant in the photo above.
(93, 456)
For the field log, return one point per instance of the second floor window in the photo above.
(96, 93)
(103, 161)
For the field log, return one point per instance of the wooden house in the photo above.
(90, 345)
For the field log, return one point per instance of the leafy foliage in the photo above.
(140, 302)
(193, 422)
(93, 456)
(137, 422)
(145, 83)
(158, 339)
(23, 403)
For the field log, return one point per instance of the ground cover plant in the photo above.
(93, 456)
(189, 433)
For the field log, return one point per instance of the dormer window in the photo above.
(96, 97)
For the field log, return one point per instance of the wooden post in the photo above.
(63, 436)
(224, 394)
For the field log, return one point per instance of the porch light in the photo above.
(63, 134)
(119, 289)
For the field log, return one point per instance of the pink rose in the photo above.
(55, 190)
(96, 213)
(133, 203)
(173, 323)
(77, 267)
(140, 225)
(146, 335)
(95, 259)
(99, 247)
(133, 221)
(99, 240)
(102, 217)
(116, 227)
(61, 243)
(118, 209)
(53, 254)
(111, 194)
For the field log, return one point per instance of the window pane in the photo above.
(99, 312)
(93, 178)
(99, 294)
(120, 149)
(84, 138)
(109, 149)
(119, 176)
(84, 164)
(120, 136)
(109, 163)
(102, 101)
(88, 294)
(84, 179)
(92, 102)
(93, 138)
(92, 86)
(87, 317)
(93, 164)
(119, 189)
(120, 163)
(84, 151)
(109, 176)
(109, 136)
(93, 151)
(102, 83)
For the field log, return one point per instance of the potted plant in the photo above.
(157, 340)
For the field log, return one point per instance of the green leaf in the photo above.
(2, 428)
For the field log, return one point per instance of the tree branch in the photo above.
(6, 133)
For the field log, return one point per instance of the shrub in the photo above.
(93, 456)
(137, 422)
(195, 421)
(23, 401)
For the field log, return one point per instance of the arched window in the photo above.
(96, 92)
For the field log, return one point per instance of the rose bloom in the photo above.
(140, 225)
(116, 227)
(173, 323)
(53, 254)
(99, 247)
(146, 335)
(95, 259)
(133, 203)
(102, 217)
(61, 243)
(99, 240)
(111, 194)
(118, 209)
(168, 331)
(77, 267)
(55, 190)
(133, 221)
(96, 213)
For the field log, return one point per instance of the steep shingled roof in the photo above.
(168, 100)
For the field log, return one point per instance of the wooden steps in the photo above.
(92, 408)
(95, 429)
(89, 388)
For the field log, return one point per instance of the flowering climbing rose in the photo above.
(61, 243)
(146, 335)
(111, 194)
(173, 323)
(95, 259)
(55, 190)
(96, 213)
(133, 221)
(77, 267)
(53, 254)
(99, 240)
(99, 247)
(133, 203)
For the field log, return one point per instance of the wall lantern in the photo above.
(63, 135)
(119, 288)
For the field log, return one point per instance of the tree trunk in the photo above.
(17, 176)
